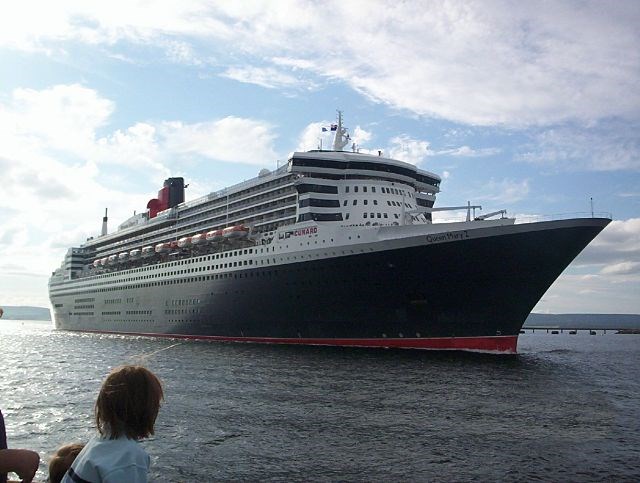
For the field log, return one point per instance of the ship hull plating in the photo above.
(460, 294)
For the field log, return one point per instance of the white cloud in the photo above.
(624, 268)
(467, 152)
(60, 117)
(412, 151)
(220, 140)
(489, 63)
(268, 77)
(605, 146)
(573, 293)
(505, 190)
(59, 175)
(312, 134)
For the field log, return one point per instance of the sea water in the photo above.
(566, 409)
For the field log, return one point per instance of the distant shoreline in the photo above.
(25, 313)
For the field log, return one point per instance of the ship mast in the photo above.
(342, 138)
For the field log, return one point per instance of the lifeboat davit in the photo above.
(238, 231)
(162, 248)
(197, 239)
(214, 236)
(96, 263)
(123, 257)
(134, 254)
(184, 242)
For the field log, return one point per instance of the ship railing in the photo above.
(562, 216)
(237, 187)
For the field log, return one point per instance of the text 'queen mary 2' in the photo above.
(334, 248)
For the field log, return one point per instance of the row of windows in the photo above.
(113, 301)
(383, 189)
(117, 312)
(182, 302)
(365, 165)
(137, 312)
(222, 276)
(375, 203)
(373, 215)
(90, 299)
(181, 311)
(86, 306)
(227, 254)
(319, 202)
(317, 188)
(320, 217)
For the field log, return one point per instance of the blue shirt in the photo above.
(110, 461)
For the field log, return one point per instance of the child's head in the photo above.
(128, 403)
(62, 460)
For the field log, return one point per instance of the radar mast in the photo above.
(342, 138)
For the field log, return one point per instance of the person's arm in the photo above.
(23, 462)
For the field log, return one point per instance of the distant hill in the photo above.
(25, 313)
(584, 321)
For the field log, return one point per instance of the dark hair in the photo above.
(62, 460)
(128, 403)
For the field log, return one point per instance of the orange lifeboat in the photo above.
(238, 231)
(214, 236)
(162, 247)
(184, 242)
(197, 239)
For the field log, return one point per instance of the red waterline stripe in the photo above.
(502, 344)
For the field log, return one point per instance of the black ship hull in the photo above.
(445, 292)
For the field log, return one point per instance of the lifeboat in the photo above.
(214, 236)
(173, 245)
(184, 242)
(197, 239)
(123, 257)
(162, 248)
(112, 259)
(147, 251)
(103, 261)
(134, 254)
(96, 263)
(238, 231)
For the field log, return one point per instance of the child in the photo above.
(61, 461)
(125, 412)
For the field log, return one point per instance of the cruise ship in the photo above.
(334, 247)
